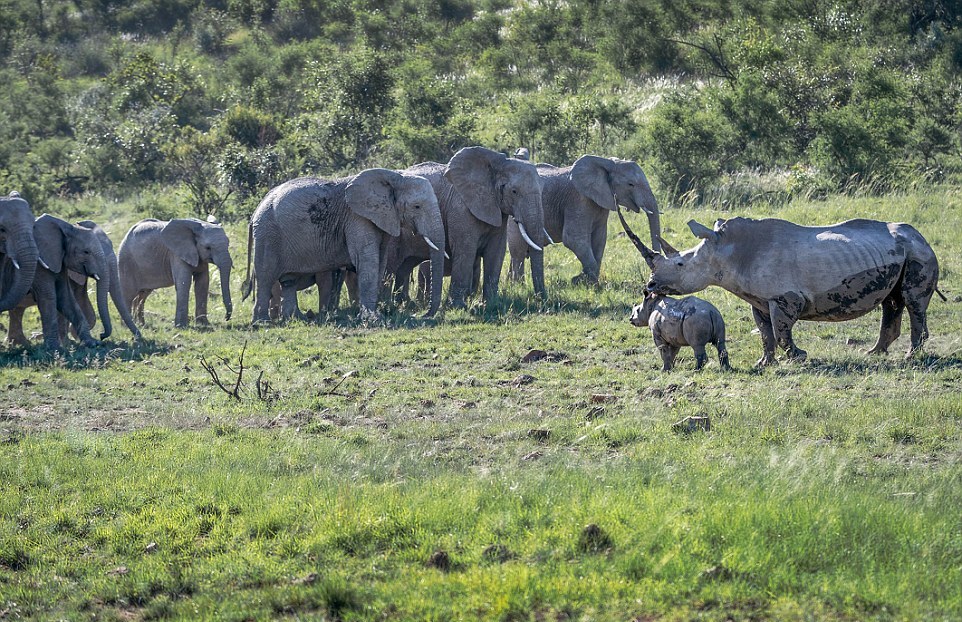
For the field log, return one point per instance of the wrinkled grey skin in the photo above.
(678, 323)
(178, 253)
(63, 247)
(577, 201)
(18, 250)
(309, 226)
(788, 272)
(478, 190)
(79, 284)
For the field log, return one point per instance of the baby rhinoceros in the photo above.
(687, 322)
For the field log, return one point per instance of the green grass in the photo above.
(409, 472)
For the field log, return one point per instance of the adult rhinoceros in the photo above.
(788, 272)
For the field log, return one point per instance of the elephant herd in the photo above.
(458, 218)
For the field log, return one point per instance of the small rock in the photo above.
(691, 424)
(533, 355)
(119, 571)
(539, 434)
(603, 398)
(151, 548)
(594, 413)
(522, 380)
(534, 455)
(594, 539)
(440, 560)
(717, 573)
(497, 553)
(309, 579)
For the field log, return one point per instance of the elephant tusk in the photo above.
(548, 235)
(95, 276)
(527, 239)
(43, 263)
(446, 256)
(15, 264)
(430, 243)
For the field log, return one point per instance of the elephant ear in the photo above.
(51, 236)
(590, 175)
(180, 236)
(473, 171)
(372, 194)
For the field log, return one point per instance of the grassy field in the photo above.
(422, 471)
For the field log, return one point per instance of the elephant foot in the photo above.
(796, 355)
(202, 320)
(878, 350)
(767, 359)
(584, 279)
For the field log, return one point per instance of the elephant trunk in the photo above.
(22, 249)
(103, 288)
(531, 225)
(437, 281)
(224, 269)
(117, 296)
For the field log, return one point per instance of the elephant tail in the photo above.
(248, 285)
(941, 295)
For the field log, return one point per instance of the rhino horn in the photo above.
(648, 254)
(667, 248)
(701, 231)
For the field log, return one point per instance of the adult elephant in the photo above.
(309, 226)
(18, 250)
(577, 201)
(478, 190)
(63, 247)
(178, 253)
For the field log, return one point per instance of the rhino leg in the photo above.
(764, 324)
(784, 312)
(668, 353)
(917, 289)
(701, 356)
(891, 327)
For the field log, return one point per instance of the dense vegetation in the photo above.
(720, 100)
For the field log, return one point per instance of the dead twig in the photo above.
(333, 390)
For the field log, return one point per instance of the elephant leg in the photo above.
(45, 293)
(462, 273)
(15, 333)
(80, 295)
(784, 312)
(891, 326)
(580, 244)
(137, 308)
(201, 292)
(274, 308)
(599, 239)
(723, 355)
(764, 324)
(537, 273)
(476, 275)
(288, 298)
(67, 305)
(351, 280)
(182, 281)
(493, 256)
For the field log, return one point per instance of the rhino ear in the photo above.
(701, 231)
(591, 177)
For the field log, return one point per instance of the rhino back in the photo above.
(837, 269)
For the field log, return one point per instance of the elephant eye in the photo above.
(680, 263)
(417, 207)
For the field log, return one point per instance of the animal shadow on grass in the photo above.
(76, 356)
(870, 364)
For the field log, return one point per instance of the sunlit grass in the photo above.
(420, 470)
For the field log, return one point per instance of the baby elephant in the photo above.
(686, 322)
